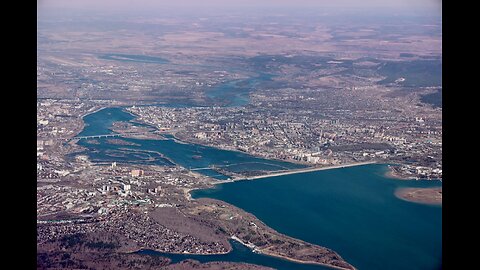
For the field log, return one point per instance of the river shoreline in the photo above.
(302, 262)
(234, 149)
(393, 175)
(258, 251)
(428, 196)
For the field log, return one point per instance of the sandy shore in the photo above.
(432, 196)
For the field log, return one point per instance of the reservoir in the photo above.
(351, 210)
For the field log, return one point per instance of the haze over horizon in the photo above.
(130, 7)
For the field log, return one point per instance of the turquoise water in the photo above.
(167, 152)
(351, 210)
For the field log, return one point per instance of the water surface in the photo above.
(202, 159)
(138, 58)
(351, 210)
(240, 254)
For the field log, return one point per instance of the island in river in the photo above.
(421, 195)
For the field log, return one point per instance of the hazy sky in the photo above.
(125, 5)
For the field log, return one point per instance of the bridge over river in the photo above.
(295, 171)
(108, 135)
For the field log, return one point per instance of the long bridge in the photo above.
(236, 164)
(107, 135)
(199, 169)
(295, 171)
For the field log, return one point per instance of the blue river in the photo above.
(351, 210)
(241, 254)
(167, 152)
(136, 58)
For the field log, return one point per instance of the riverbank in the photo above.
(273, 254)
(391, 173)
(431, 196)
(265, 251)
(331, 260)
(184, 139)
(136, 250)
(303, 262)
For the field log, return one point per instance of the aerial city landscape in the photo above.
(238, 137)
